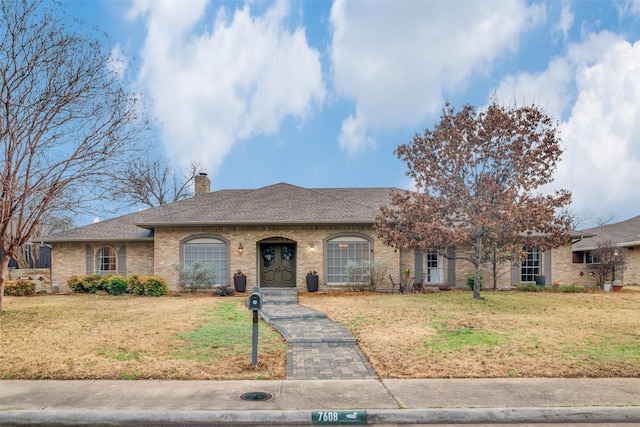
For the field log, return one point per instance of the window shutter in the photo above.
(122, 261)
(515, 273)
(451, 267)
(546, 265)
(417, 266)
(89, 259)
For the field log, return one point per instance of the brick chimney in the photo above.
(202, 184)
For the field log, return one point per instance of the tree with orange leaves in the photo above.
(477, 176)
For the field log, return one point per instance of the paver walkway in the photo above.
(318, 347)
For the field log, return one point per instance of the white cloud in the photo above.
(628, 7)
(597, 85)
(550, 89)
(117, 62)
(566, 20)
(354, 134)
(214, 82)
(395, 59)
(602, 134)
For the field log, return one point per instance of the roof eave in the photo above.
(151, 226)
(98, 239)
(620, 244)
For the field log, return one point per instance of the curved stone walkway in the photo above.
(318, 347)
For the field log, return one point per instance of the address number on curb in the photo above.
(338, 417)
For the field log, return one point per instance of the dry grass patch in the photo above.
(510, 334)
(443, 335)
(128, 337)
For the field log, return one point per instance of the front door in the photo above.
(278, 264)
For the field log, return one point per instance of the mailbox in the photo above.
(255, 301)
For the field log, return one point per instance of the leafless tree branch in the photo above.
(65, 119)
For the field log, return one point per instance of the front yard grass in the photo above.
(509, 334)
(129, 337)
(443, 335)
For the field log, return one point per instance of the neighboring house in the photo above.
(625, 234)
(275, 235)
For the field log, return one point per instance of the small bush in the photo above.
(223, 291)
(19, 288)
(73, 282)
(471, 280)
(155, 287)
(136, 285)
(87, 284)
(196, 276)
(529, 287)
(358, 275)
(116, 285)
(570, 289)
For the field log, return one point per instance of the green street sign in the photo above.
(338, 417)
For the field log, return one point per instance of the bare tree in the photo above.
(607, 257)
(500, 255)
(476, 174)
(588, 219)
(152, 182)
(65, 119)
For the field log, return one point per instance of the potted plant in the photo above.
(312, 281)
(617, 286)
(407, 273)
(240, 281)
(540, 280)
(607, 285)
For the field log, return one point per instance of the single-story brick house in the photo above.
(275, 235)
(625, 234)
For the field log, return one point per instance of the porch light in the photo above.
(312, 247)
(240, 249)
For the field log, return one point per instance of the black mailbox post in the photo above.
(255, 303)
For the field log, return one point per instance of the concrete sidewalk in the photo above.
(293, 402)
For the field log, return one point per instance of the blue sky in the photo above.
(320, 93)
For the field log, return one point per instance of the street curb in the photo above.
(605, 414)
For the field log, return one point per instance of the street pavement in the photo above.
(295, 402)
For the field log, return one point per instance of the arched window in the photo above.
(342, 249)
(106, 260)
(210, 251)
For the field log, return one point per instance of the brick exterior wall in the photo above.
(40, 276)
(562, 270)
(587, 274)
(140, 258)
(158, 257)
(69, 259)
(631, 273)
(168, 240)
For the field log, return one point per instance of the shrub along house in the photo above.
(275, 235)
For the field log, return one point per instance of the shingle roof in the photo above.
(625, 233)
(275, 204)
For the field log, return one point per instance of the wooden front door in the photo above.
(278, 264)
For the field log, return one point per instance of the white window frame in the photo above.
(110, 260)
(341, 249)
(208, 250)
(531, 265)
(433, 269)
